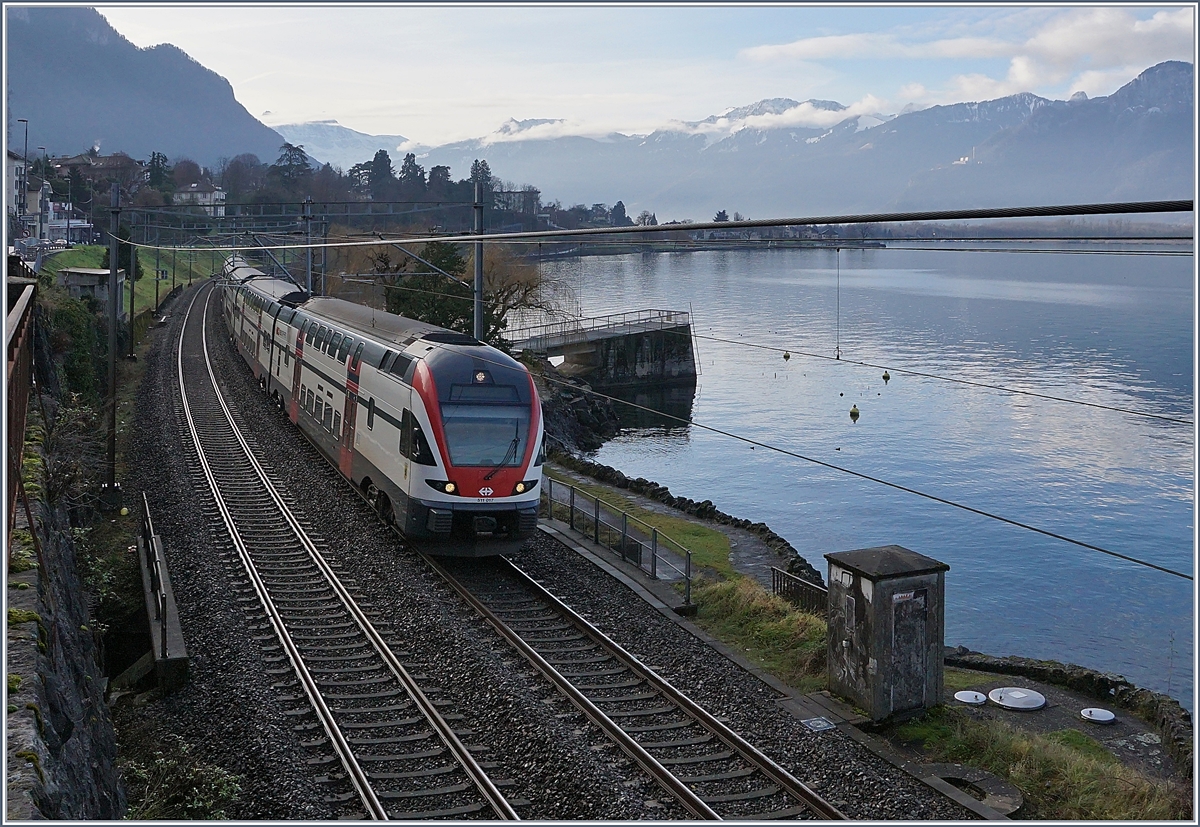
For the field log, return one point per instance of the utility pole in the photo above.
(308, 238)
(156, 266)
(24, 174)
(129, 279)
(110, 492)
(479, 261)
(43, 205)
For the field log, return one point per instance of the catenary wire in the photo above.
(1118, 208)
(954, 379)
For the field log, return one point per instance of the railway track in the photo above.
(390, 752)
(708, 768)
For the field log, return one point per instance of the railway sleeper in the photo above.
(427, 793)
(761, 792)
(685, 742)
(695, 759)
(641, 713)
(623, 699)
(724, 776)
(395, 739)
(447, 813)
(635, 730)
(412, 756)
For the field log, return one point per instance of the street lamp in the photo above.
(24, 170)
(42, 229)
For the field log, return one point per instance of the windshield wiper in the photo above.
(512, 451)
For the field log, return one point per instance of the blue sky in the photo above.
(438, 74)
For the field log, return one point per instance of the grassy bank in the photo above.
(767, 630)
(1062, 775)
(182, 268)
(709, 547)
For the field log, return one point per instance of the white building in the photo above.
(203, 194)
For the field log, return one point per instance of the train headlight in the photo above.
(449, 488)
(523, 486)
(443, 486)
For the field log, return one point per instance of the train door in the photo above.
(350, 413)
(294, 404)
(272, 350)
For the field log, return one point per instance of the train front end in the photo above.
(481, 495)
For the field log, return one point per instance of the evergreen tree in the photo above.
(412, 177)
(157, 169)
(381, 177)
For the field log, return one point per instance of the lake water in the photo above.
(1107, 329)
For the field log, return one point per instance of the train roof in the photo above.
(383, 325)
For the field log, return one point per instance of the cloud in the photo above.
(878, 46)
(1094, 50)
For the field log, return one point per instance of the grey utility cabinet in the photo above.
(886, 630)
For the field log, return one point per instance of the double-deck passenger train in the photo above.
(441, 432)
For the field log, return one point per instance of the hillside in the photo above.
(82, 84)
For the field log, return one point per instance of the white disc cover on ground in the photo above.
(1016, 697)
(1097, 715)
(970, 696)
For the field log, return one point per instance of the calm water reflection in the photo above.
(1110, 330)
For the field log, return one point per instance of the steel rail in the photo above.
(354, 771)
(478, 775)
(776, 773)
(690, 801)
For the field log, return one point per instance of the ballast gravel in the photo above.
(552, 762)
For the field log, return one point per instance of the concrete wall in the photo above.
(624, 361)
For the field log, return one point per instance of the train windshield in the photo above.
(491, 435)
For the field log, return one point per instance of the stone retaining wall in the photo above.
(62, 750)
(1172, 721)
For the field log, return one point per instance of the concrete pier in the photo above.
(619, 350)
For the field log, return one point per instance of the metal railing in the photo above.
(803, 594)
(570, 331)
(606, 525)
(19, 379)
(151, 547)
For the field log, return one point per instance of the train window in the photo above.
(304, 396)
(308, 337)
(333, 344)
(386, 361)
(327, 420)
(357, 360)
(320, 411)
(406, 424)
(371, 413)
(345, 349)
(412, 440)
(401, 365)
(337, 425)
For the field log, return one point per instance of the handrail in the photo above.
(804, 594)
(629, 544)
(569, 327)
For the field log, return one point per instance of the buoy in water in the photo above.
(124, 512)
(853, 413)
(786, 356)
(886, 377)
